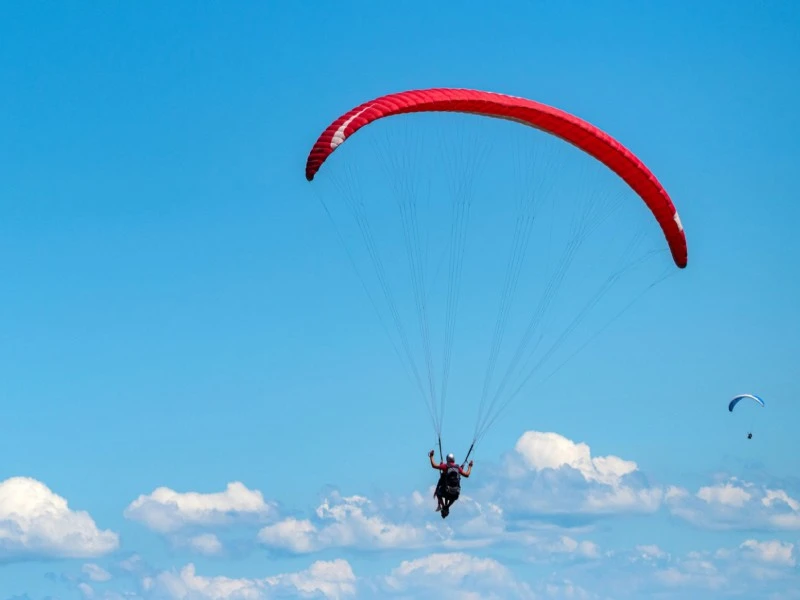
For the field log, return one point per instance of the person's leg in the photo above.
(448, 501)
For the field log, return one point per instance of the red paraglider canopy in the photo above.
(570, 128)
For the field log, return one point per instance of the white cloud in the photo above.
(466, 577)
(332, 579)
(754, 568)
(188, 584)
(548, 478)
(548, 546)
(727, 494)
(548, 474)
(651, 552)
(355, 522)
(674, 493)
(344, 522)
(541, 501)
(165, 510)
(34, 521)
(567, 545)
(785, 521)
(772, 551)
(736, 504)
(327, 579)
(132, 564)
(754, 562)
(692, 571)
(778, 497)
(566, 590)
(546, 450)
(96, 572)
(294, 535)
(619, 499)
(473, 523)
(206, 543)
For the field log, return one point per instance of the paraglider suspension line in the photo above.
(466, 458)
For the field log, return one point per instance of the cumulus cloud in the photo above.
(541, 501)
(206, 543)
(546, 450)
(34, 521)
(567, 590)
(133, 564)
(355, 522)
(694, 570)
(755, 568)
(453, 575)
(549, 474)
(744, 567)
(323, 579)
(345, 522)
(650, 552)
(546, 479)
(549, 548)
(773, 552)
(736, 504)
(166, 511)
(96, 572)
(441, 576)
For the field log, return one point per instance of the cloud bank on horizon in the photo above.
(542, 506)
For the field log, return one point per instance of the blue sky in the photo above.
(182, 337)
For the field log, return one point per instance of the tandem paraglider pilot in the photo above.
(448, 488)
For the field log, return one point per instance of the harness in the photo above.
(452, 480)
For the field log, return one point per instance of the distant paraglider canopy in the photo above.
(739, 398)
(528, 186)
(735, 401)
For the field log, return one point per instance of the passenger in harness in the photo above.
(448, 488)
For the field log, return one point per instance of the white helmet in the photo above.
(451, 458)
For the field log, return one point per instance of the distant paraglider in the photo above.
(736, 399)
